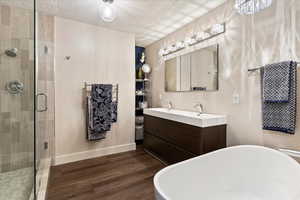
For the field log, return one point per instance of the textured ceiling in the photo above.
(149, 20)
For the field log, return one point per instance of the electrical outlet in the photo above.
(46, 145)
(236, 98)
(46, 50)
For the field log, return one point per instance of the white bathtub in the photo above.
(234, 173)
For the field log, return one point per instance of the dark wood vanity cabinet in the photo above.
(173, 141)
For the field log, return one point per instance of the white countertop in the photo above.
(187, 117)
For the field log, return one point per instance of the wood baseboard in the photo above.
(67, 158)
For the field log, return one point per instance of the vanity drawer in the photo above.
(193, 139)
(152, 125)
(164, 150)
(185, 136)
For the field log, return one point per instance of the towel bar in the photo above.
(259, 68)
(115, 90)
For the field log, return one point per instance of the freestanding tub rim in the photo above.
(161, 172)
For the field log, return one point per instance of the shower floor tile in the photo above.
(16, 185)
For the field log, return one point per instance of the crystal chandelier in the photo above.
(249, 7)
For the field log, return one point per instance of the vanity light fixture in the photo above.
(107, 11)
(202, 36)
(249, 7)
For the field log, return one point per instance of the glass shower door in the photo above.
(45, 98)
(17, 93)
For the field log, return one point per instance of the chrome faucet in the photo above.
(170, 105)
(200, 108)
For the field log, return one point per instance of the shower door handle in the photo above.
(45, 102)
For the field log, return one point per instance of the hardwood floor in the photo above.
(124, 176)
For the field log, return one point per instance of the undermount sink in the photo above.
(187, 117)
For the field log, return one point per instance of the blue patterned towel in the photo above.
(276, 82)
(114, 111)
(281, 115)
(91, 136)
(99, 111)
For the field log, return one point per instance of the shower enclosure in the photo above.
(26, 98)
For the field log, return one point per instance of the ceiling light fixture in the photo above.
(107, 12)
(249, 7)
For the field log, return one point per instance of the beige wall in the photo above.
(250, 41)
(98, 55)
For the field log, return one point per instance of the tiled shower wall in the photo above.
(16, 111)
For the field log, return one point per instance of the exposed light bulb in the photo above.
(170, 49)
(217, 28)
(161, 52)
(193, 41)
(173, 48)
(188, 41)
(199, 36)
(206, 35)
(166, 51)
(180, 45)
(107, 13)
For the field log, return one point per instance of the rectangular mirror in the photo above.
(195, 71)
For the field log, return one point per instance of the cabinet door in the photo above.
(184, 136)
(165, 151)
